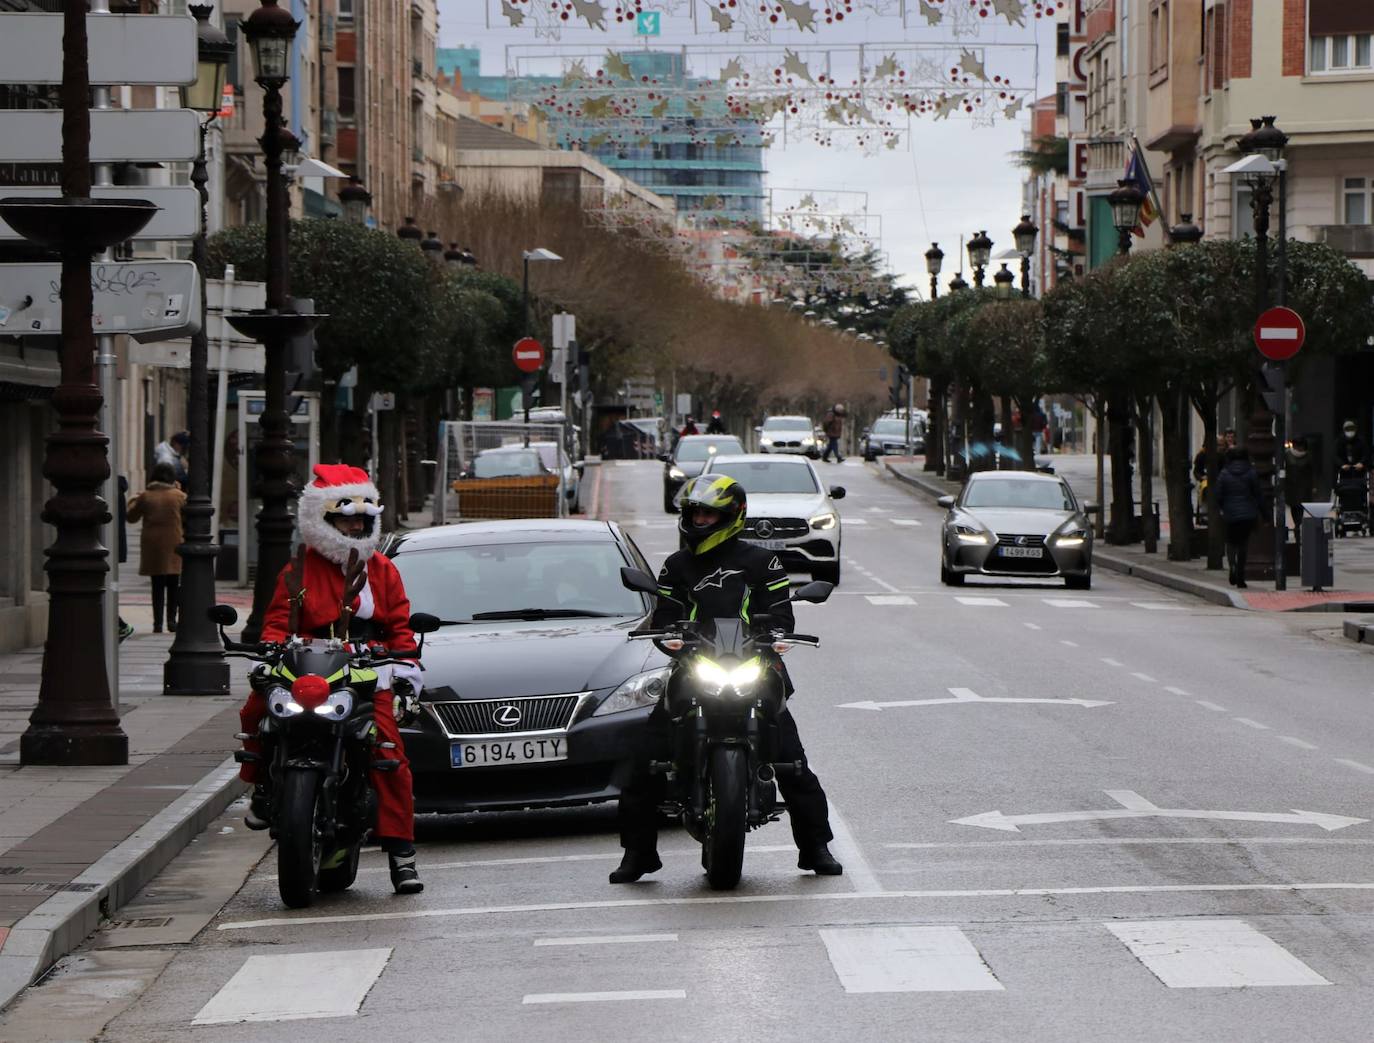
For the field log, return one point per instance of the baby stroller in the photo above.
(1352, 502)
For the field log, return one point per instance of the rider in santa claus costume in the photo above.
(338, 513)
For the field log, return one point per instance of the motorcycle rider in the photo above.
(339, 513)
(716, 426)
(717, 575)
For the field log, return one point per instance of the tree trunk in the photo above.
(1145, 410)
(1177, 473)
(387, 471)
(983, 419)
(1008, 438)
(1025, 438)
(1123, 487)
(935, 430)
(1205, 402)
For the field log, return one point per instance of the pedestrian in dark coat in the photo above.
(123, 629)
(1238, 492)
(159, 508)
(1299, 480)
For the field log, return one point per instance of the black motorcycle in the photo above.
(319, 741)
(724, 696)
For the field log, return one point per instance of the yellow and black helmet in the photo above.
(717, 492)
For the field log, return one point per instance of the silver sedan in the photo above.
(1016, 523)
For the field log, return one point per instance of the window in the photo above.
(1342, 36)
(1242, 214)
(1357, 209)
(347, 91)
(1062, 40)
(1348, 52)
(345, 10)
(1159, 36)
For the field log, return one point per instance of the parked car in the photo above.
(1016, 523)
(533, 696)
(887, 437)
(789, 434)
(690, 458)
(790, 511)
(555, 458)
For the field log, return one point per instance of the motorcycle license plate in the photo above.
(767, 544)
(507, 751)
(1021, 552)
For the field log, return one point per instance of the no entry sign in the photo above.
(1279, 333)
(528, 354)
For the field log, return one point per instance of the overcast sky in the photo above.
(950, 178)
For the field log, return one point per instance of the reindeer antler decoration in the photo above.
(295, 592)
(355, 575)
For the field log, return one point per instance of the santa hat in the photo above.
(334, 483)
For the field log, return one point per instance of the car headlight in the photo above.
(765, 441)
(280, 703)
(808, 440)
(640, 690)
(676, 473)
(715, 678)
(824, 521)
(968, 534)
(1074, 537)
(338, 706)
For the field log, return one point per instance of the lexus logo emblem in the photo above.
(763, 528)
(506, 716)
(1021, 541)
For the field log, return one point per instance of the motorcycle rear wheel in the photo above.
(299, 845)
(727, 823)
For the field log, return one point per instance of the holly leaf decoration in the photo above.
(733, 70)
(724, 22)
(1014, 11)
(618, 66)
(794, 66)
(970, 63)
(591, 12)
(945, 106)
(932, 14)
(1014, 109)
(513, 14)
(887, 68)
(803, 14)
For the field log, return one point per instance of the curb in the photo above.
(64, 921)
(1151, 574)
(1362, 633)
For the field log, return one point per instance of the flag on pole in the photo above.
(1138, 174)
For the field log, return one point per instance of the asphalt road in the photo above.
(1115, 814)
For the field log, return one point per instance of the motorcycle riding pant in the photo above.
(637, 817)
(395, 796)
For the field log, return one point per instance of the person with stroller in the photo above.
(1352, 478)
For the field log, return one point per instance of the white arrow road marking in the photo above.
(296, 985)
(906, 959)
(1136, 806)
(965, 695)
(1212, 954)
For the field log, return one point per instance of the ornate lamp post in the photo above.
(195, 664)
(1024, 234)
(1186, 233)
(979, 252)
(957, 283)
(538, 255)
(1004, 283)
(433, 247)
(1125, 202)
(355, 200)
(934, 257)
(410, 231)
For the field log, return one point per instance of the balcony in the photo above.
(1351, 240)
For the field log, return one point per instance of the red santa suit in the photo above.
(381, 614)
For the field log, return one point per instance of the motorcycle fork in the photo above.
(701, 765)
(753, 811)
(329, 788)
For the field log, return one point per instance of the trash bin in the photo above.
(1318, 530)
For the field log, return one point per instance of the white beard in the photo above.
(321, 536)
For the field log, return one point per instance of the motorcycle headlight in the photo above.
(715, 678)
(280, 703)
(824, 521)
(641, 690)
(968, 534)
(676, 473)
(338, 706)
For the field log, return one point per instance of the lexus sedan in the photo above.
(1016, 523)
(691, 456)
(789, 434)
(533, 695)
(790, 511)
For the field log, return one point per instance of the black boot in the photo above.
(259, 808)
(404, 877)
(634, 865)
(820, 861)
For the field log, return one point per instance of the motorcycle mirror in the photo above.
(223, 615)
(424, 623)
(638, 579)
(816, 591)
(837, 492)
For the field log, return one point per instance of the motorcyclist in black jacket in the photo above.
(717, 575)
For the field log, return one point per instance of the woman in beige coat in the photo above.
(159, 508)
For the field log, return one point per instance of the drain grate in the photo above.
(11, 870)
(143, 921)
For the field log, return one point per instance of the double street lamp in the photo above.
(979, 253)
(539, 255)
(1024, 234)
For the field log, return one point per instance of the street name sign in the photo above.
(178, 215)
(1279, 333)
(528, 355)
(151, 300)
(142, 135)
(124, 49)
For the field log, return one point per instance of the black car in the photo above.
(690, 458)
(533, 696)
(887, 437)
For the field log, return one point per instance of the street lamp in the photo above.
(1024, 234)
(979, 251)
(934, 257)
(410, 231)
(433, 247)
(1005, 283)
(355, 200)
(538, 255)
(957, 283)
(1125, 203)
(195, 663)
(1186, 233)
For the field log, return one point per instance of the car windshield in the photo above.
(893, 427)
(562, 577)
(507, 463)
(764, 476)
(1019, 494)
(694, 451)
(787, 423)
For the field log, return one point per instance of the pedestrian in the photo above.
(173, 452)
(124, 630)
(1238, 491)
(833, 426)
(159, 508)
(1299, 480)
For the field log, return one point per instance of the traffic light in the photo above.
(1271, 385)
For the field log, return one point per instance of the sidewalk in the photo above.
(1354, 558)
(77, 843)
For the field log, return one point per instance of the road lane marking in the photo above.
(608, 939)
(1251, 724)
(1145, 677)
(907, 959)
(1066, 641)
(1020, 842)
(1158, 606)
(850, 855)
(1212, 954)
(1355, 764)
(605, 997)
(905, 521)
(1174, 690)
(985, 602)
(890, 599)
(1111, 662)
(883, 583)
(1299, 743)
(1032, 626)
(847, 520)
(1068, 603)
(608, 856)
(880, 510)
(294, 986)
(965, 696)
(1211, 706)
(292, 922)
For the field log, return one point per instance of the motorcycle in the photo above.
(319, 741)
(724, 696)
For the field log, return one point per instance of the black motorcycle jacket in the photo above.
(734, 579)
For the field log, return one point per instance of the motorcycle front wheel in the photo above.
(341, 876)
(727, 817)
(299, 845)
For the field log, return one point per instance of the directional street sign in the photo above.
(151, 300)
(1133, 805)
(964, 697)
(1279, 333)
(528, 354)
(177, 218)
(144, 135)
(124, 49)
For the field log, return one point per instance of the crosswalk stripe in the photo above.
(295, 986)
(905, 521)
(847, 520)
(907, 959)
(889, 599)
(1068, 603)
(605, 997)
(1212, 954)
(606, 939)
(1158, 606)
(985, 602)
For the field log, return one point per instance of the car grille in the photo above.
(783, 528)
(1021, 541)
(477, 717)
(782, 444)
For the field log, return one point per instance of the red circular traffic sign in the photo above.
(528, 354)
(1279, 333)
